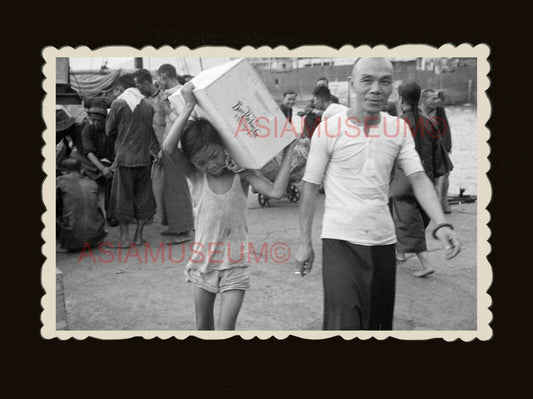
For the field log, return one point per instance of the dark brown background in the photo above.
(416, 369)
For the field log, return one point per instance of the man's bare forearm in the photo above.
(95, 161)
(307, 210)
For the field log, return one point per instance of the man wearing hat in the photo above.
(68, 135)
(98, 151)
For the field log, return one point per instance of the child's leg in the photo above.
(204, 302)
(229, 309)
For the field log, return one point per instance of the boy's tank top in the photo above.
(221, 228)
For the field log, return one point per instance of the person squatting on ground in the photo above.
(80, 219)
(358, 236)
(130, 123)
(431, 106)
(410, 220)
(221, 199)
(171, 190)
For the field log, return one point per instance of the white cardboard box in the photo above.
(233, 97)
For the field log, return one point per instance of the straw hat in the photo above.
(63, 120)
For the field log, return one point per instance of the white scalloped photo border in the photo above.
(484, 270)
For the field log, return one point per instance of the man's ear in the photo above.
(350, 82)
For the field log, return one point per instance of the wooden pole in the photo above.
(138, 63)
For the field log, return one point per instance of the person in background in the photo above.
(323, 101)
(68, 136)
(98, 152)
(287, 103)
(130, 122)
(410, 220)
(431, 105)
(358, 234)
(170, 185)
(312, 114)
(390, 108)
(80, 220)
(154, 95)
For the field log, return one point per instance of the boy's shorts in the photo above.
(219, 281)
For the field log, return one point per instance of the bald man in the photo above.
(353, 154)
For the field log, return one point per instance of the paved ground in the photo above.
(108, 292)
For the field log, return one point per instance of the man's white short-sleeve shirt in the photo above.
(355, 170)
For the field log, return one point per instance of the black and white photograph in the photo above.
(266, 192)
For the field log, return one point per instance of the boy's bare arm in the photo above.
(279, 186)
(170, 144)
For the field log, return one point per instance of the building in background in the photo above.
(65, 94)
(455, 77)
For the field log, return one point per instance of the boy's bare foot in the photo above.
(424, 273)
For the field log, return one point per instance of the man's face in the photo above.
(97, 120)
(289, 100)
(431, 101)
(319, 103)
(144, 87)
(372, 82)
(164, 81)
(210, 160)
(117, 91)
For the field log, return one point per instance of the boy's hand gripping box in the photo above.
(233, 98)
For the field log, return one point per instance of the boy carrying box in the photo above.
(221, 214)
